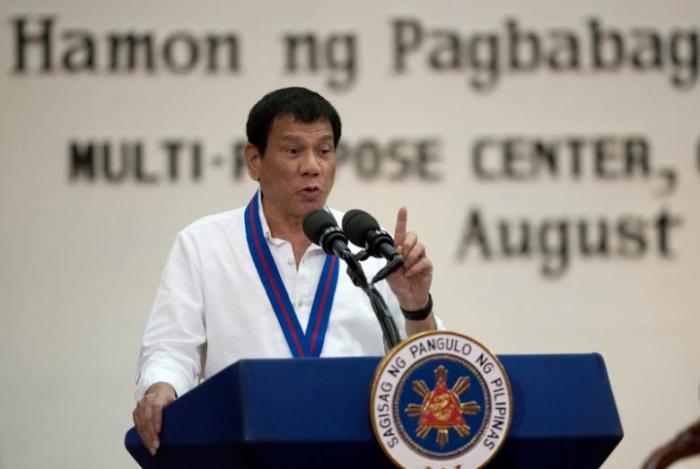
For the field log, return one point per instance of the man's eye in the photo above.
(293, 150)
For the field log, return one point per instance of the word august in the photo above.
(555, 241)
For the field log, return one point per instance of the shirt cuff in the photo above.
(164, 375)
(440, 326)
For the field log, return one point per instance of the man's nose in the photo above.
(310, 163)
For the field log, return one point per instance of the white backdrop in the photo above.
(82, 255)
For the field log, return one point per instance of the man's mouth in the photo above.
(311, 190)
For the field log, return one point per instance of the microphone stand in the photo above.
(358, 277)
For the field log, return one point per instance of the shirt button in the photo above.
(290, 261)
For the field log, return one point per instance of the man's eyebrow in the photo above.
(326, 137)
(290, 138)
(295, 138)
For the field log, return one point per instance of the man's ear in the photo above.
(252, 161)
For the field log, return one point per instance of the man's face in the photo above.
(296, 171)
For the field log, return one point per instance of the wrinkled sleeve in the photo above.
(174, 340)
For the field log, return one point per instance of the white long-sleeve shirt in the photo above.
(211, 308)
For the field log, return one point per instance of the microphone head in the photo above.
(356, 225)
(315, 224)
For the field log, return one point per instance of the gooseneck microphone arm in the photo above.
(321, 228)
(389, 330)
(386, 322)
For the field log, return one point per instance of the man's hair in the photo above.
(300, 103)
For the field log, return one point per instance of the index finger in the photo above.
(400, 231)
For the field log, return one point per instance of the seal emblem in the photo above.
(440, 399)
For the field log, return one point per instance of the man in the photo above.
(249, 284)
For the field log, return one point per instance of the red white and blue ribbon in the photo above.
(301, 344)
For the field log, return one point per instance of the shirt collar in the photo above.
(266, 227)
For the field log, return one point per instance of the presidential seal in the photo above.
(440, 399)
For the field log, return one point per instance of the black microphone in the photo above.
(364, 231)
(322, 229)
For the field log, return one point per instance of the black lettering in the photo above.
(341, 53)
(392, 442)
(42, 39)
(484, 59)
(554, 243)
(294, 43)
(497, 424)
(607, 47)
(637, 157)
(82, 160)
(140, 173)
(226, 43)
(384, 422)
(428, 156)
(519, 40)
(393, 371)
(564, 53)
(593, 245)
(646, 53)
(466, 349)
(338, 53)
(368, 160)
(485, 363)
(604, 157)
(684, 56)
(478, 158)
(397, 152)
(115, 167)
(80, 54)
(575, 146)
(474, 234)
(665, 221)
(516, 162)
(196, 154)
(545, 154)
(343, 154)
(239, 164)
(515, 238)
(127, 51)
(408, 36)
(631, 236)
(445, 54)
(180, 52)
(172, 151)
